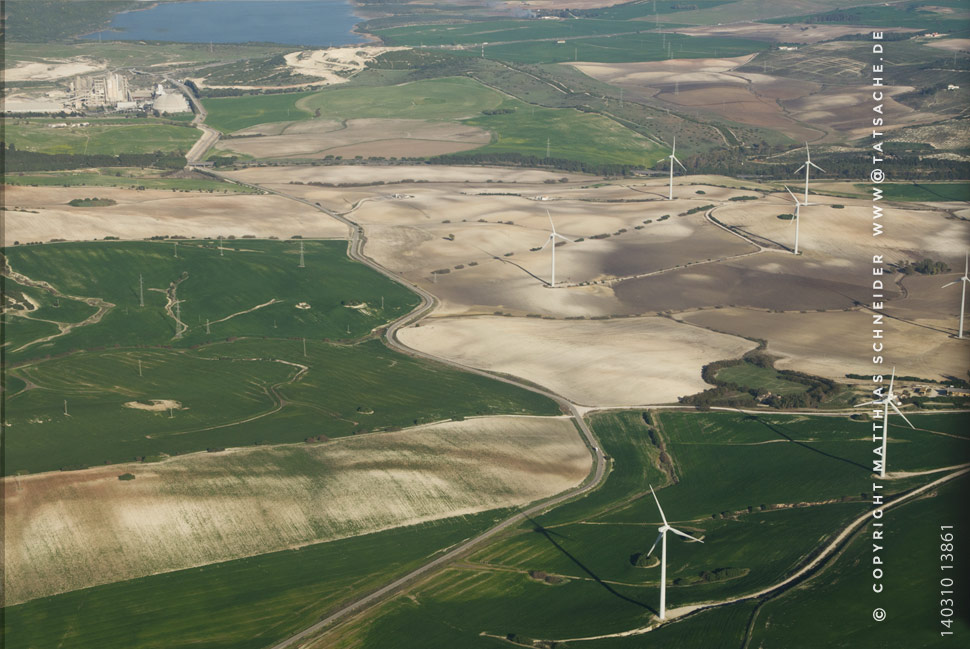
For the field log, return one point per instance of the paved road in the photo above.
(428, 301)
(209, 135)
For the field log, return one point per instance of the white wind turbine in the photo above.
(798, 206)
(662, 539)
(552, 239)
(963, 294)
(673, 159)
(888, 399)
(808, 164)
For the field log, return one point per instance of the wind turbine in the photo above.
(963, 294)
(888, 399)
(552, 239)
(662, 539)
(673, 159)
(798, 206)
(806, 166)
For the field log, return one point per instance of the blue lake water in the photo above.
(289, 22)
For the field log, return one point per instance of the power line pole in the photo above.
(304, 348)
(176, 249)
(302, 265)
(547, 148)
(220, 246)
(139, 367)
(178, 319)
(207, 325)
(141, 291)
(65, 408)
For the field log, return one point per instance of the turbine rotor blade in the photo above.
(654, 546)
(680, 163)
(553, 225)
(952, 283)
(794, 198)
(685, 534)
(546, 243)
(891, 379)
(900, 413)
(799, 169)
(658, 504)
(868, 403)
(817, 167)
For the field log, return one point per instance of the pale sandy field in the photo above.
(621, 362)
(838, 343)
(66, 531)
(834, 236)
(950, 44)
(51, 69)
(140, 214)
(366, 137)
(397, 173)
(790, 33)
(712, 84)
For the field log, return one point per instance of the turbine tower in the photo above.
(798, 206)
(808, 164)
(662, 539)
(963, 294)
(888, 399)
(673, 159)
(552, 239)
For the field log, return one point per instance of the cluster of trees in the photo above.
(925, 267)
(728, 393)
(16, 160)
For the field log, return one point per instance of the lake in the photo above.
(289, 22)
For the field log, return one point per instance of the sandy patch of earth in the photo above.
(629, 361)
(51, 69)
(156, 405)
(334, 65)
(141, 214)
(71, 530)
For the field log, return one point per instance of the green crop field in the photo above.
(243, 604)
(918, 15)
(124, 178)
(757, 525)
(922, 191)
(450, 98)
(498, 31)
(242, 382)
(526, 130)
(748, 375)
(229, 114)
(911, 586)
(568, 134)
(344, 299)
(110, 137)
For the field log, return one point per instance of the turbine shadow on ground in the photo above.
(788, 437)
(548, 534)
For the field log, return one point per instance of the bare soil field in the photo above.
(365, 137)
(950, 44)
(621, 362)
(838, 343)
(790, 33)
(844, 236)
(66, 531)
(140, 214)
(394, 174)
(712, 84)
(52, 69)
(336, 64)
